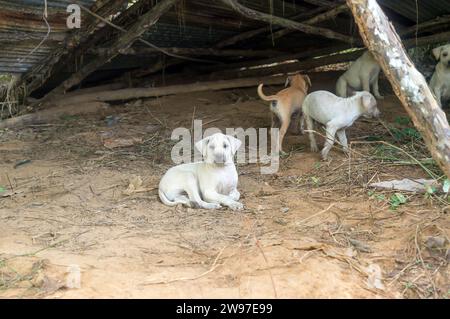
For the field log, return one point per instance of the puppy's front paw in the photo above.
(314, 148)
(236, 206)
(212, 206)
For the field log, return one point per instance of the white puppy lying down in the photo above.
(208, 184)
(361, 76)
(336, 113)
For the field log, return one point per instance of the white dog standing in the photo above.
(207, 184)
(440, 81)
(337, 114)
(361, 76)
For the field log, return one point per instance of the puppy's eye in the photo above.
(225, 145)
(444, 54)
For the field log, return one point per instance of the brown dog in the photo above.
(287, 102)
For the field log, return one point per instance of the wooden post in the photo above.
(409, 85)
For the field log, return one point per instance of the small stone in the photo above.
(284, 210)
(435, 242)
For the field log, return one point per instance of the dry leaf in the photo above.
(121, 142)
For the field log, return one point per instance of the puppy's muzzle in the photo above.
(219, 158)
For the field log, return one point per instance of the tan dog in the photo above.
(287, 102)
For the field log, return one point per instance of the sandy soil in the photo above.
(302, 235)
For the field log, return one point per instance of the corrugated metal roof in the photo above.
(427, 9)
(22, 28)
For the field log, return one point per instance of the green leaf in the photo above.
(446, 186)
(2, 189)
(400, 198)
(315, 180)
(430, 189)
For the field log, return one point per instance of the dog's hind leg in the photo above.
(341, 87)
(194, 194)
(342, 139)
(329, 142)
(310, 128)
(285, 122)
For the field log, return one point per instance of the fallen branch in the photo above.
(52, 114)
(134, 93)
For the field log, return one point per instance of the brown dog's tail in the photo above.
(266, 97)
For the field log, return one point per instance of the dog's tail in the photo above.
(165, 200)
(266, 97)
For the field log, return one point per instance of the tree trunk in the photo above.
(409, 85)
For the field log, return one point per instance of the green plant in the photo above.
(378, 197)
(2, 189)
(315, 180)
(396, 200)
(446, 185)
(405, 133)
(402, 120)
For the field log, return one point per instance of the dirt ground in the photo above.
(312, 230)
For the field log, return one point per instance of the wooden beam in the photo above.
(123, 42)
(428, 40)
(256, 15)
(253, 33)
(431, 39)
(409, 84)
(425, 26)
(301, 54)
(192, 51)
(320, 3)
(287, 67)
(319, 18)
(134, 93)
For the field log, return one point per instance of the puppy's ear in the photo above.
(235, 143)
(437, 53)
(202, 145)
(366, 101)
